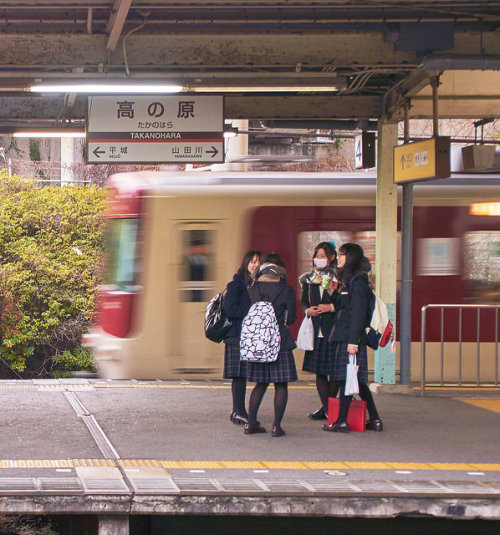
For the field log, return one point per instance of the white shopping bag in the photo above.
(351, 381)
(305, 338)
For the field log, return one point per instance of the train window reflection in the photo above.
(197, 265)
(482, 266)
(438, 256)
(308, 240)
(123, 258)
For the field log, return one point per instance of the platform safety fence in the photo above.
(423, 343)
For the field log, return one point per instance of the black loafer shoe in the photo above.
(251, 429)
(320, 414)
(277, 431)
(336, 428)
(374, 425)
(237, 419)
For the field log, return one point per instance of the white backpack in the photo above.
(260, 338)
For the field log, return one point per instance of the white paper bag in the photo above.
(351, 381)
(305, 338)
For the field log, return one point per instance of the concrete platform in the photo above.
(121, 448)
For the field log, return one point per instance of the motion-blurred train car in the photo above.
(176, 239)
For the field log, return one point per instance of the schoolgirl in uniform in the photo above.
(271, 286)
(236, 305)
(348, 336)
(316, 302)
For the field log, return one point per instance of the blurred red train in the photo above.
(175, 239)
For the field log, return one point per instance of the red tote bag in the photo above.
(356, 417)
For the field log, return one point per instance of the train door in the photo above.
(199, 244)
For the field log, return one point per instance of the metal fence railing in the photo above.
(477, 342)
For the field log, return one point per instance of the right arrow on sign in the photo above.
(213, 152)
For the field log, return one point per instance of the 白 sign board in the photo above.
(422, 160)
(155, 129)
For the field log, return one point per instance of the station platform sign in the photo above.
(155, 129)
(422, 160)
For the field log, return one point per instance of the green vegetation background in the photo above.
(51, 263)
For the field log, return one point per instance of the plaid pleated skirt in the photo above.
(282, 370)
(320, 359)
(341, 360)
(233, 366)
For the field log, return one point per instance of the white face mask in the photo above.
(320, 263)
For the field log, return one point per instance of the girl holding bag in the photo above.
(317, 289)
(348, 336)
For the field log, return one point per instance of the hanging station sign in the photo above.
(155, 129)
(422, 160)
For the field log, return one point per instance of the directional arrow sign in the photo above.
(213, 152)
(155, 129)
(96, 151)
(422, 160)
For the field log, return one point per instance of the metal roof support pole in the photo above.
(406, 270)
(386, 241)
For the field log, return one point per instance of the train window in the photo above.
(307, 242)
(482, 266)
(123, 254)
(438, 257)
(197, 264)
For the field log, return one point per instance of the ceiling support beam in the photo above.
(116, 22)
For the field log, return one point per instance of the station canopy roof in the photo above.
(342, 59)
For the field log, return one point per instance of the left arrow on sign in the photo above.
(96, 152)
(213, 152)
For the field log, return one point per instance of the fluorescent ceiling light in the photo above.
(263, 89)
(48, 134)
(106, 88)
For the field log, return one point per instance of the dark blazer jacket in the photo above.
(311, 296)
(236, 304)
(351, 311)
(283, 298)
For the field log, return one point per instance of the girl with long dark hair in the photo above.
(236, 305)
(348, 335)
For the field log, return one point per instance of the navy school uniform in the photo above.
(236, 304)
(319, 360)
(283, 369)
(351, 320)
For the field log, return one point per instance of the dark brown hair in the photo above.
(243, 270)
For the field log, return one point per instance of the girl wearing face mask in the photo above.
(318, 286)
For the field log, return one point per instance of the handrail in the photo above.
(423, 340)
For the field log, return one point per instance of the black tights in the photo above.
(345, 402)
(326, 389)
(238, 389)
(280, 401)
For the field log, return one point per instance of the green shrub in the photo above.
(51, 251)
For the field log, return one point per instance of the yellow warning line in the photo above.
(247, 465)
(131, 385)
(488, 404)
(54, 463)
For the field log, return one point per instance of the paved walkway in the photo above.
(122, 447)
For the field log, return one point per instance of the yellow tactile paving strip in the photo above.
(62, 386)
(488, 404)
(248, 465)
(131, 385)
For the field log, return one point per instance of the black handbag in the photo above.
(217, 324)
